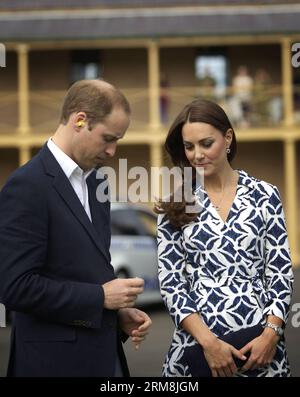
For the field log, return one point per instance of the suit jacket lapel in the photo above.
(64, 188)
(100, 213)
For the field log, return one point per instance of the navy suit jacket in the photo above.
(53, 261)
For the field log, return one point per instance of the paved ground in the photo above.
(148, 360)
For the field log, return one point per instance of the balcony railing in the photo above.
(260, 108)
(263, 108)
(8, 111)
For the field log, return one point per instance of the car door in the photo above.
(134, 250)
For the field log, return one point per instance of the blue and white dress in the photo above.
(233, 274)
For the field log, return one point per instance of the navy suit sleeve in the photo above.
(23, 254)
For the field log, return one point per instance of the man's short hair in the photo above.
(93, 98)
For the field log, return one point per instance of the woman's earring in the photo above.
(228, 150)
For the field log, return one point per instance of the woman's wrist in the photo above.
(207, 340)
(270, 335)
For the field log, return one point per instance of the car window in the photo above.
(125, 222)
(133, 222)
(149, 222)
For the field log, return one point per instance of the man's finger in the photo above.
(134, 282)
(137, 331)
(131, 298)
(138, 339)
(135, 291)
(145, 326)
(139, 335)
(130, 303)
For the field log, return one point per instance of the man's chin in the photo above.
(99, 162)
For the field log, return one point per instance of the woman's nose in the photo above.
(198, 154)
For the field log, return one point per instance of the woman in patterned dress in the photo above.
(227, 267)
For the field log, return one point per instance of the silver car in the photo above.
(134, 248)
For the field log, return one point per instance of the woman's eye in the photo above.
(188, 147)
(207, 144)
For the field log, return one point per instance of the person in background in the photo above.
(207, 85)
(226, 267)
(242, 87)
(164, 99)
(262, 97)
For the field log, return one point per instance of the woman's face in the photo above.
(205, 146)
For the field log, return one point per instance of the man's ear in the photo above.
(79, 120)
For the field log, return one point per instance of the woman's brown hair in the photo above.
(199, 110)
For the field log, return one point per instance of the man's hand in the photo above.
(134, 323)
(121, 293)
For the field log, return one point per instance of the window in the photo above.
(85, 64)
(211, 73)
(125, 222)
(133, 222)
(149, 222)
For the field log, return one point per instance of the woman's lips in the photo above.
(202, 165)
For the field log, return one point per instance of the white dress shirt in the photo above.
(77, 178)
(74, 173)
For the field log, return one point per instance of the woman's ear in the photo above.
(228, 136)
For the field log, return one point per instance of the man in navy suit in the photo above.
(71, 313)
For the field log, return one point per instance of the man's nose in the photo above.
(111, 149)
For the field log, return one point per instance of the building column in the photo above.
(153, 84)
(287, 82)
(156, 160)
(24, 155)
(290, 166)
(23, 89)
(156, 154)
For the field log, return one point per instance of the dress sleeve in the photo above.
(174, 286)
(278, 267)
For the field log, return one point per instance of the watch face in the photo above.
(280, 331)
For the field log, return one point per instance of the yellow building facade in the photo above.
(39, 71)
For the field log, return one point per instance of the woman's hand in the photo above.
(219, 356)
(262, 350)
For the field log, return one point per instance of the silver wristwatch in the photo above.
(278, 330)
